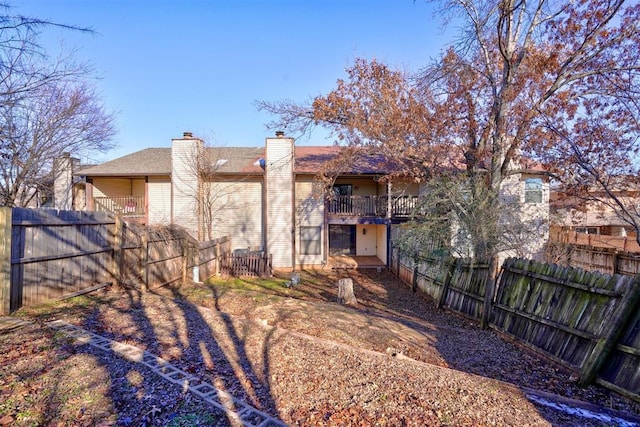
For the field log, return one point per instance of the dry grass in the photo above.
(292, 352)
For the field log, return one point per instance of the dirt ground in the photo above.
(391, 359)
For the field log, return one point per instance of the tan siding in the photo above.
(159, 200)
(360, 186)
(279, 176)
(237, 211)
(111, 187)
(381, 236)
(309, 213)
(184, 184)
(366, 240)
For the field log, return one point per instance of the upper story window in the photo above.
(533, 190)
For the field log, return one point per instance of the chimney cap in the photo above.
(187, 135)
(279, 133)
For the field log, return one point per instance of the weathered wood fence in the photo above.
(560, 235)
(593, 258)
(249, 263)
(50, 254)
(588, 322)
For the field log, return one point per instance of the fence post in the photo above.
(218, 256)
(489, 289)
(615, 328)
(414, 278)
(116, 266)
(5, 260)
(144, 247)
(185, 257)
(447, 280)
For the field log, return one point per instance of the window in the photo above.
(310, 240)
(587, 230)
(533, 190)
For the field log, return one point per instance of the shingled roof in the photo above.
(231, 160)
(150, 161)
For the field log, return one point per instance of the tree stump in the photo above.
(345, 292)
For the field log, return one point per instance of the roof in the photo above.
(246, 160)
(150, 161)
(231, 160)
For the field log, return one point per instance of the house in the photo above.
(269, 198)
(595, 219)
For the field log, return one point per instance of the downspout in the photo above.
(389, 205)
(293, 211)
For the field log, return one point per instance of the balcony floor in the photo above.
(352, 262)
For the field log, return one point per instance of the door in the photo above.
(342, 239)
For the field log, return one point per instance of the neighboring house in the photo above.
(593, 222)
(590, 216)
(268, 198)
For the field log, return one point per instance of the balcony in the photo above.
(128, 206)
(372, 206)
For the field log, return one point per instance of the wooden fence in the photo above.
(250, 264)
(594, 252)
(453, 283)
(49, 254)
(561, 235)
(591, 258)
(211, 256)
(585, 321)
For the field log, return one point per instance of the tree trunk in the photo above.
(345, 292)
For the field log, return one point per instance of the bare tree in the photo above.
(212, 194)
(47, 107)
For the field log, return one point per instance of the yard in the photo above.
(393, 359)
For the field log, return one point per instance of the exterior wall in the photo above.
(360, 186)
(366, 240)
(309, 213)
(400, 188)
(185, 182)
(534, 218)
(114, 187)
(236, 210)
(381, 242)
(63, 181)
(280, 239)
(159, 200)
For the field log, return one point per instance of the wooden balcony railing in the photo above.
(123, 205)
(377, 206)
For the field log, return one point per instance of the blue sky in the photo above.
(173, 66)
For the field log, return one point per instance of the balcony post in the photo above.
(389, 204)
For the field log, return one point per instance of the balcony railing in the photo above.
(376, 206)
(123, 205)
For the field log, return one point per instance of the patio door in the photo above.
(342, 239)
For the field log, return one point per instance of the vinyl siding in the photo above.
(309, 213)
(237, 212)
(279, 216)
(381, 236)
(159, 202)
(184, 184)
(366, 240)
(114, 187)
